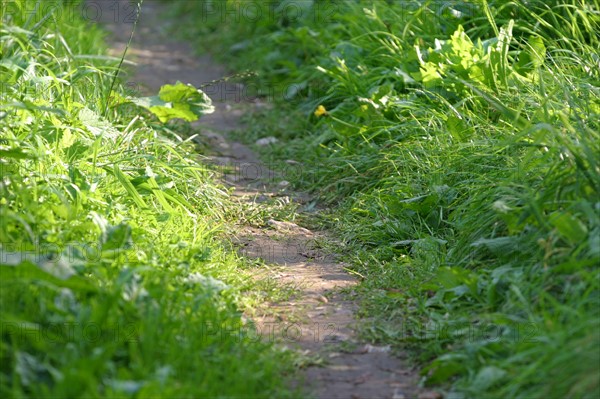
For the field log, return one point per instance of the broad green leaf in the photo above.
(178, 101)
(537, 50)
(96, 124)
(166, 113)
(568, 226)
(429, 74)
(443, 371)
(532, 57)
(487, 377)
(457, 127)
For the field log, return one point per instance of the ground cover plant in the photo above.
(114, 281)
(459, 143)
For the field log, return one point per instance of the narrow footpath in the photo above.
(319, 320)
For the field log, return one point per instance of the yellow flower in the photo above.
(320, 111)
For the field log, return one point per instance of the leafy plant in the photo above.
(178, 101)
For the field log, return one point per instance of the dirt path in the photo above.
(319, 319)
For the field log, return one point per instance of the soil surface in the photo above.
(319, 320)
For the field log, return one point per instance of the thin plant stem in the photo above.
(114, 80)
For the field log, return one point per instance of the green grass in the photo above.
(460, 151)
(115, 280)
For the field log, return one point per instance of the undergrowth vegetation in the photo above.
(460, 144)
(113, 280)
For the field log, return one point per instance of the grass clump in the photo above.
(113, 280)
(459, 143)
